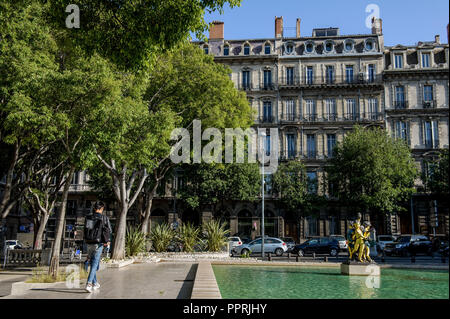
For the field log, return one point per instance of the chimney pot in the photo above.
(377, 26)
(437, 38)
(279, 27)
(298, 27)
(216, 30)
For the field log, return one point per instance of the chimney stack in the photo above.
(298, 27)
(216, 30)
(278, 27)
(377, 26)
(437, 39)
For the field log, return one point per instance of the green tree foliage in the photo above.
(27, 115)
(290, 184)
(213, 184)
(128, 32)
(372, 171)
(437, 178)
(192, 86)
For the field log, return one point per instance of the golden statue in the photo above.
(358, 238)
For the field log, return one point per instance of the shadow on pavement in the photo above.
(188, 284)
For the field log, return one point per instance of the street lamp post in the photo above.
(262, 134)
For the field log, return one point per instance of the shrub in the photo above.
(188, 235)
(161, 236)
(215, 235)
(135, 241)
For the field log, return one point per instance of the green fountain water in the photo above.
(260, 282)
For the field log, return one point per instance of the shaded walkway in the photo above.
(136, 281)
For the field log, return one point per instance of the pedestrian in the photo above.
(97, 236)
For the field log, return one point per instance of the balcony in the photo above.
(79, 188)
(311, 154)
(351, 117)
(400, 105)
(267, 86)
(362, 79)
(289, 155)
(373, 116)
(310, 117)
(289, 117)
(429, 104)
(246, 87)
(289, 81)
(330, 117)
(267, 119)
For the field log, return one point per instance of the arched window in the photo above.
(226, 50)
(246, 49)
(267, 48)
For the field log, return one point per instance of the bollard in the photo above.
(314, 255)
(289, 256)
(270, 257)
(443, 258)
(297, 258)
(325, 259)
(413, 258)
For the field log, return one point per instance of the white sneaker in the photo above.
(89, 287)
(96, 285)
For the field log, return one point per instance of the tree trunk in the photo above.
(118, 251)
(40, 232)
(54, 264)
(148, 209)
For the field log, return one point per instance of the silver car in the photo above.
(234, 241)
(271, 245)
(383, 240)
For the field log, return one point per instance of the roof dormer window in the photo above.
(246, 49)
(289, 48)
(349, 45)
(226, 50)
(267, 48)
(370, 45)
(328, 46)
(309, 47)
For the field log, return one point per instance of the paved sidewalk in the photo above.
(136, 281)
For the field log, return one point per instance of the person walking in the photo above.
(97, 236)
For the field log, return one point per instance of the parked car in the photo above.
(322, 245)
(290, 242)
(234, 241)
(406, 245)
(382, 240)
(14, 244)
(271, 245)
(342, 242)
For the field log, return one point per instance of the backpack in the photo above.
(93, 228)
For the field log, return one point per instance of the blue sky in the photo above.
(404, 21)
